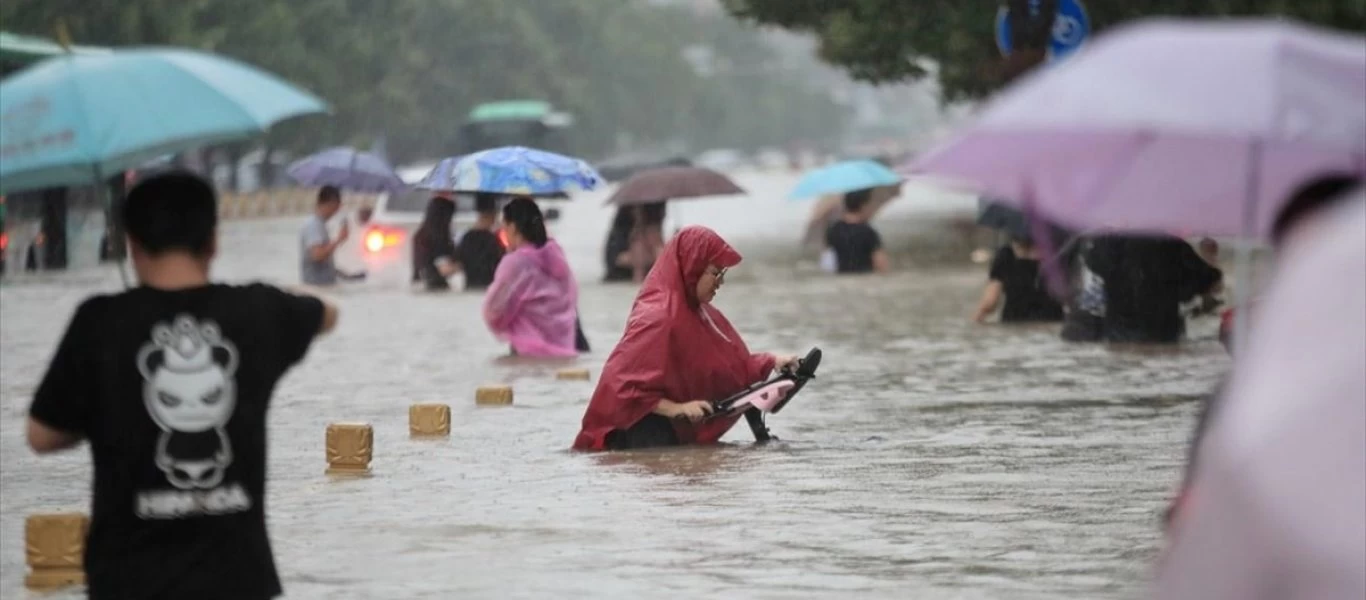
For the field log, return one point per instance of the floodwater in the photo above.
(932, 458)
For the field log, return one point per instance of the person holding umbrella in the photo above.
(851, 244)
(643, 201)
(857, 247)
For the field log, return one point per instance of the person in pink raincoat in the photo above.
(532, 303)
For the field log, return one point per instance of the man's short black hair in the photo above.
(485, 203)
(329, 193)
(173, 211)
(1309, 198)
(855, 201)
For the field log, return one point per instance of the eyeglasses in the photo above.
(719, 274)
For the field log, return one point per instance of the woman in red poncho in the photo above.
(678, 354)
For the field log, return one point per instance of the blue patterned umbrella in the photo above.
(511, 170)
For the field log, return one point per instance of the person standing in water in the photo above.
(532, 303)
(433, 248)
(1146, 278)
(436, 256)
(480, 250)
(856, 245)
(317, 265)
(1015, 275)
(678, 354)
(647, 238)
(171, 383)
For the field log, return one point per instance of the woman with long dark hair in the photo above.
(433, 247)
(532, 303)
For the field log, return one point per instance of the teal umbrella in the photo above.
(79, 118)
(845, 177)
(19, 50)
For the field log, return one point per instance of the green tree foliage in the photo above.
(412, 69)
(890, 40)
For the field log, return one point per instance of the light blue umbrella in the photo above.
(347, 169)
(512, 170)
(844, 177)
(79, 118)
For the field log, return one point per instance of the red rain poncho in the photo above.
(674, 348)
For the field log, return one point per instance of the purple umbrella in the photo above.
(1169, 125)
(348, 169)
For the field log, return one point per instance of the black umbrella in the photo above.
(1001, 217)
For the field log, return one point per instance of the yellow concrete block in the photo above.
(429, 420)
(55, 550)
(572, 375)
(493, 395)
(350, 446)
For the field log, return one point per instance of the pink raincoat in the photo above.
(533, 302)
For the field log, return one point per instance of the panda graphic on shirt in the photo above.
(189, 389)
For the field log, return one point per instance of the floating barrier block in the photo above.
(55, 550)
(572, 375)
(493, 395)
(350, 446)
(429, 420)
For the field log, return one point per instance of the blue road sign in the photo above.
(1071, 27)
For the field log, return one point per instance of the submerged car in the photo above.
(385, 235)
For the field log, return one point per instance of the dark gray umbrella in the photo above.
(673, 183)
(1001, 217)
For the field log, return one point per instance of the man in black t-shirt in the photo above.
(857, 246)
(170, 382)
(480, 251)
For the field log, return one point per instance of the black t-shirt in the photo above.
(854, 245)
(479, 253)
(1146, 280)
(427, 248)
(1027, 299)
(171, 390)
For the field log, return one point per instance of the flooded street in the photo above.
(931, 458)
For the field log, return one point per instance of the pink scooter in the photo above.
(769, 397)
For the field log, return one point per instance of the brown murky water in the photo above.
(931, 459)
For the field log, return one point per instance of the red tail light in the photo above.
(377, 240)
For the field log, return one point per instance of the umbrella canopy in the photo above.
(673, 183)
(512, 170)
(348, 169)
(830, 208)
(76, 119)
(1001, 217)
(623, 168)
(19, 50)
(844, 177)
(1173, 125)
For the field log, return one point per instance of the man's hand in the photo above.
(344, 232)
